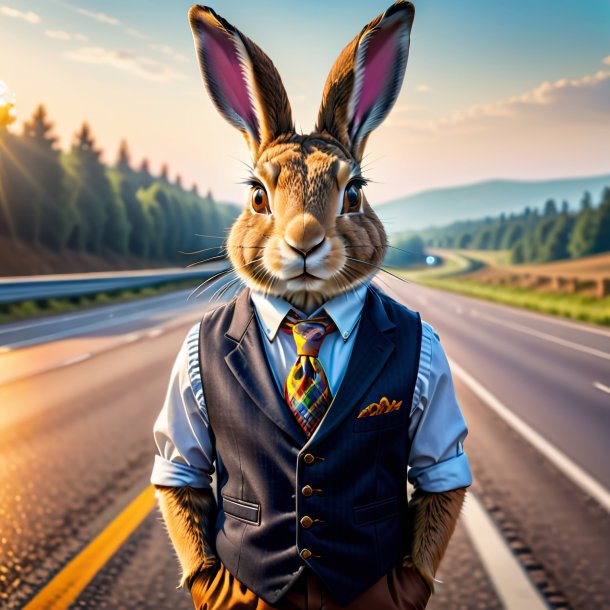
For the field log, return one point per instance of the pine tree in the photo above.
(55, 215)
(150, 205)
(90, 191)
(513, 234)
(145, 167)
(601, 231)
(550, 207)
(556, 247)
(10, 183)
(582, 238)
(123, 157)
(164, 175)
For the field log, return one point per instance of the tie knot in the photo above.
(309, 333)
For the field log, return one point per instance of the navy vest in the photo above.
(336, 502)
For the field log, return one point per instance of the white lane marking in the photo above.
(172, 326)
(570, 469)
(155, 332)
(510, 581)
(76, 359)
(537, 333)
(600, 386)
(102, 324)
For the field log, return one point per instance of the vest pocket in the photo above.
(376, 511)
(248, 512)
(374, 423)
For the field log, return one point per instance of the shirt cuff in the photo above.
(174, 474)
(453, 473)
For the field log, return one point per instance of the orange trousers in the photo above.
(400, 589)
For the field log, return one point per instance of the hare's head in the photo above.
(307, 232)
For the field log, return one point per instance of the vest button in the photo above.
(308, 458)
(306, 521)
(307, 490)
(306, 554)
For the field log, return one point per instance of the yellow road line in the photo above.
(67, 585)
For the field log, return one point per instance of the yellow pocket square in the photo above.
(380, 408)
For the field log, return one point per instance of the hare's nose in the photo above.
(304, 234)
(305, 253)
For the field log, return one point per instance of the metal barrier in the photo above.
(38, 288)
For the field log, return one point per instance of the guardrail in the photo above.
(41, 287)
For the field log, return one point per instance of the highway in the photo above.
(79, 395)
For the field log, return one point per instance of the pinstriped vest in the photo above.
(336, 502)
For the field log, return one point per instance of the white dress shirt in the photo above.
(436, 430)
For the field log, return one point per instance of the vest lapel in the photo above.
(372, 349)
(249, 365)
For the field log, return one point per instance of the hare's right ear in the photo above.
(241, 80)
(365, 81)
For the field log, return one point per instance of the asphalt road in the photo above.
(78, 400)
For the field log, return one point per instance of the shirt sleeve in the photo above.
(185, 450)
(437, 429)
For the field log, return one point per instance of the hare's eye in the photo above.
(259, 200)
(352, 198)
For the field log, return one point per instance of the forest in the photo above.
(532, 236)
(71, 201)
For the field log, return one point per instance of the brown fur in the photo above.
(305, 197)
(304, 175)
(433, 517)
(189, 516)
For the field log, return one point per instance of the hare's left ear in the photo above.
(241, 80)
(365, 81)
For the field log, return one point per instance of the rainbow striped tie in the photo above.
(306, 390)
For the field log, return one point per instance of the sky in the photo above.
(492, 89)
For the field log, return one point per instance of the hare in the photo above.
(309, 503)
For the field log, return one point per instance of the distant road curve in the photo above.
(39, 287)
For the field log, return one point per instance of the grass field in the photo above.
(458, 275)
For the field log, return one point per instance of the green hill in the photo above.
(443, 206)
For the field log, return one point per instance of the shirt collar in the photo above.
(344, 309)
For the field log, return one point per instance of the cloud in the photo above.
(569, 97)
(422, 88)
(135, 33)
(30, 16)
(58, 34)
(606, 60)
(127, 61)
(170, 52)
(101, 17)
(61, 35)
(107, 19)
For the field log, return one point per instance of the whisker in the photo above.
(377, 267)
(411, 252)
(207, 260)
(203, 250)
(197, 292)
(210, 236)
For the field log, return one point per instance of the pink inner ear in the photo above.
(380, 55)
(225, 71)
